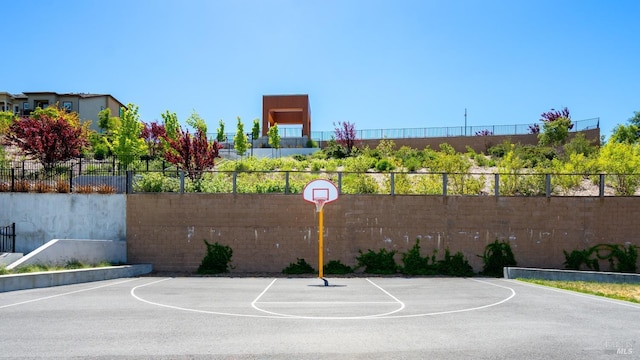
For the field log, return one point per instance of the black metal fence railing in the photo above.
(8, 238)
(81, 175)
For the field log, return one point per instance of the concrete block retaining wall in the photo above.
(269, 231)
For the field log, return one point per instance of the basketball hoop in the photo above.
(320, 201)
(320, 192)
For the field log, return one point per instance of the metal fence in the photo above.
(392, 183)
(8, 238)
(145, 175)
(81, 175)
(428, 132)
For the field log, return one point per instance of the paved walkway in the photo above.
(353, 318)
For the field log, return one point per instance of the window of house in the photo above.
(42, 104)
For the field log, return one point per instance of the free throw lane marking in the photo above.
(257, 301)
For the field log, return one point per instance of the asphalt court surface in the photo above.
(299, 318)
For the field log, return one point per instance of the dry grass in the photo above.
(83, 189)
(627, 292)
(42, 187)
(22, 186)
(105, 189)
(62, 187)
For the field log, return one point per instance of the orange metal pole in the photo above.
(320, 243)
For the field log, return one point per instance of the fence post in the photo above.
(547, 180)
(13, 235)
(496, 184)
(340, 182)
(393, 184)
(71, 180)
(444, 184)
(181, 182)
(128, 182)
(235, 178)
(13, 179)
(601, 185)
(286, 182)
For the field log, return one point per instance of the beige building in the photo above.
(86, 105)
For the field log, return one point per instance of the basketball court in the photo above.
(301, 318)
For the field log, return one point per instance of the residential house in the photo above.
(86, 105)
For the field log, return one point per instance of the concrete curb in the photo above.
(66, 277)
(570, 275)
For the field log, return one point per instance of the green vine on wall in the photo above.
(621, 258)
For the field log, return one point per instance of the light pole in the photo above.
(251, 135)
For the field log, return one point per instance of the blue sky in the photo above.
(375, 63)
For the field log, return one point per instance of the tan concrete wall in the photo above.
(477, 143)
(267, 232)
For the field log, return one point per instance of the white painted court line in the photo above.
(447, 312)
(275, 315)
(64, 294)
(396, 301)
(133, 294)
(578, 294)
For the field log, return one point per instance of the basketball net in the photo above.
(319, 203)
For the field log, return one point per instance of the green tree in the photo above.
(196, 122)
(171, 124)
(106, 122)
(274, 137)
(101, 142)
(240, 142)
(255, 131)
(579, 145)
(221, 137)
(127, 143)
(629, 134)
(555, 132)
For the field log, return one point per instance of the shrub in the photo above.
(359, 184)
(380, 262)
(496, 256)
(299, 267)
(384, 165)
(336, 267)
(217, 259)
(415, 264)
(577, 258)
(456, 265)
(412, 164)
